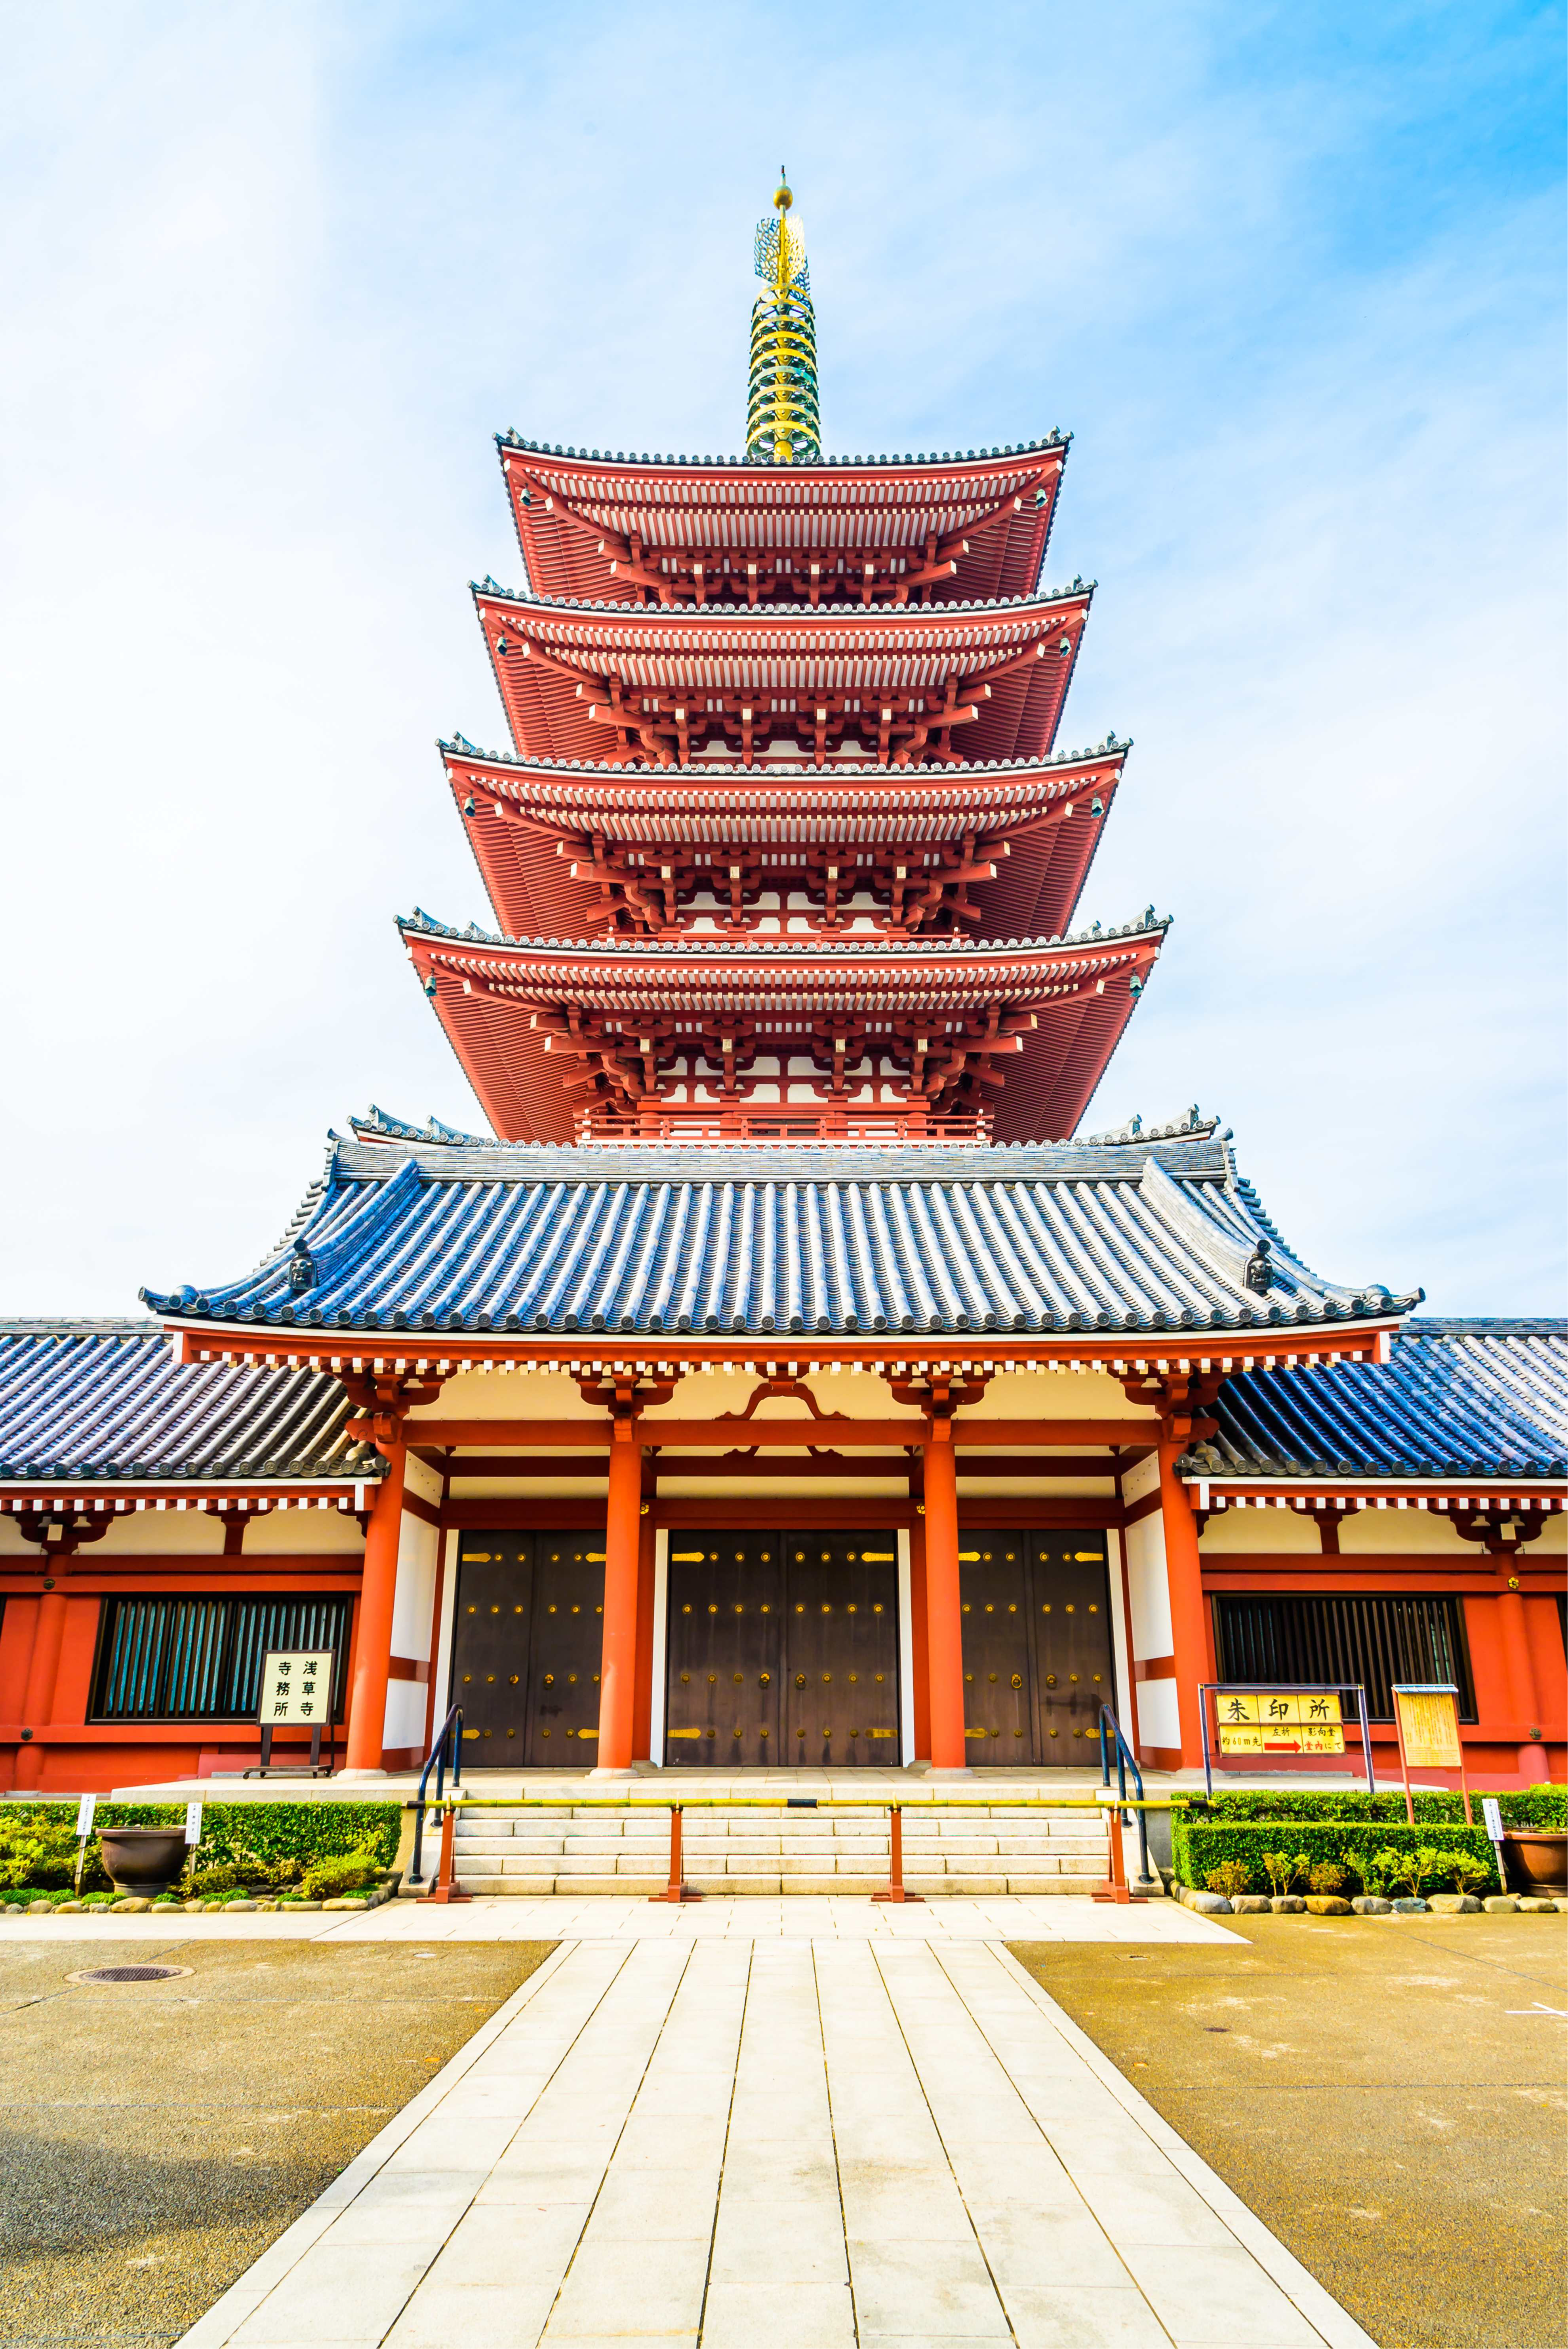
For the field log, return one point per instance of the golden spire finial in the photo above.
(781, 422)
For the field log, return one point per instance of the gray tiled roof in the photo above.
(105, 1398)
(1118, 1236)
(1456, 1398)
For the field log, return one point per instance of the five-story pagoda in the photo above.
(783, 849)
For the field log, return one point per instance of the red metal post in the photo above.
(446, 1888)
(894, 1889)
(1115, 1885)
(676, 1888)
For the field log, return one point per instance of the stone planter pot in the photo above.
(141, 1862)
(1536, 1860)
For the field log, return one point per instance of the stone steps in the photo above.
(567, 1849)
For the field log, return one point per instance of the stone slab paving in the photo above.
(706, 2133)
(999, 1917)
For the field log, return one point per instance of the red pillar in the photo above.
(943, 1617)
(38, 1697)
(1188, 1612)
(1512, 1624)
(373, 1641)
(623, 1530)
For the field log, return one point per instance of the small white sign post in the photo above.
(1492, 1812)
(296, 1693)
(86, 1809)
(193, 1825)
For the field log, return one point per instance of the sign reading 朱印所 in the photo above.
(1280, 1721)
(296, 1688)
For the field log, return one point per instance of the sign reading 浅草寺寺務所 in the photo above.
(296, 1689)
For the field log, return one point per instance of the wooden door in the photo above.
(1000, 1723)
(566, 1651)
(841, 1648)
(1073, 1644)
(490, 1646)
(722, 1647)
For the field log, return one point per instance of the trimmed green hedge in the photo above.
(1199, 1844)
(1532, 1806)
(262, 1842)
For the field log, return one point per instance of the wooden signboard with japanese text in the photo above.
(295, 1693)
(1282, 1721)
(1427, 1718)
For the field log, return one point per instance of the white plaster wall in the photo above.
(1037, 1489)
(161, 1533)
(905, 1648)
(1120, 1630)
(405, 1720)
(506, 1394)
(661, 1628)
(296, 1533)
(1389, 1532)
(414, 1597)
(423, 1481)
(1141, 1480)
(1159, 1714)
(781, 1489)
(534, 1488)
(1053, 1395)
(442, 1674)
(1231, 1533)
(1554, 1542)
(1150, 1593)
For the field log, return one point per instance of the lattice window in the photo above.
(180, 1659)
(1370, 1642)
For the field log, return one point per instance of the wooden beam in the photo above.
(728, 1429)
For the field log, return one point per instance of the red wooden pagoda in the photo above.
(783, 849)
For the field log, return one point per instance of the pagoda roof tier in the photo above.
(1003, 849)
(858, 531)
(559, 1038)
(487, 1242)
(619, 681)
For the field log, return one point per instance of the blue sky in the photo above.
(274, 275)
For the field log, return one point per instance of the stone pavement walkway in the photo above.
(1000, 1917)
(710, 2129)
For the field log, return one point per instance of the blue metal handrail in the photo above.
(449, 1736)
(1125, 1760)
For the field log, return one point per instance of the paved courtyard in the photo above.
(721, 2125)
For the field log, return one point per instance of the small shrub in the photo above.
(1463, 1870)
(1283, 1871)
(1328, 1877)
(334, 1879)
(39, 1853)
(211, 1883)
(1230, 1877)
(1412, 1868)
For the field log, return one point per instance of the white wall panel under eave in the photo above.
(1149, 1591)
(404, 1724)
(1159, 1715)
(413, 1603)
(305, 1533)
